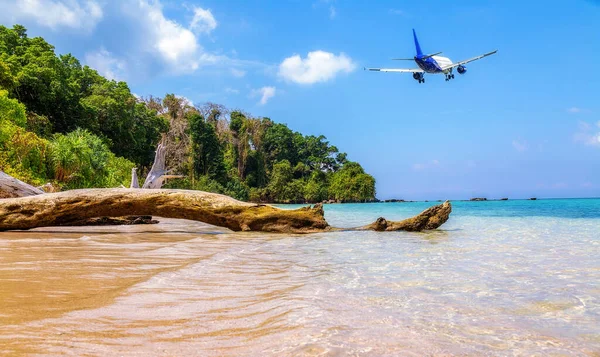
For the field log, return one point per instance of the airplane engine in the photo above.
(418, 76)
(461, 69)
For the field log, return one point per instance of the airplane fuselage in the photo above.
(431, 64)
(434, 64)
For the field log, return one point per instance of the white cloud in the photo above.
(175, 45)
(106, 64)
(577, 110)
(238, 72)
(265, 93)
(75, 14)
(186, 100)
(332, 12)
(203, 21)
(583, 126)
(232, 90)
(318, 66)
(587, 134)
(519, 145)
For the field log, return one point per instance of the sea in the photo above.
(500, 278)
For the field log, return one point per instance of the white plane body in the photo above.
(432, 64)
(442, 61)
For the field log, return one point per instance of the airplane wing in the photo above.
(399, 70)
(469, 60)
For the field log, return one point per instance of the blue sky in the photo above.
(522, 123)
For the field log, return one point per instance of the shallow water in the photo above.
(500, 278)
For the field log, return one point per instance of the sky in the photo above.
(522, 123)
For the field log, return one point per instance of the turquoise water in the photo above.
(506, 278)
(515, 277)
(348, 215)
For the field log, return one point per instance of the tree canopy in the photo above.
(63, 122)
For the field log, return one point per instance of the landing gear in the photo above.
(449, 77)
(419, 77)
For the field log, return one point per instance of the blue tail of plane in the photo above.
(419, 52)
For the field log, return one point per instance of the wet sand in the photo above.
(184, 288)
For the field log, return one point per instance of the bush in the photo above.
(11, 110)
(23, 155)
(80, 159)
(237, 189)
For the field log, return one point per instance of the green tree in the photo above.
(352, 184)
(315, 189)
(279, 144)
(131, 129)
(281, 176)
(12, 110)
(81, 159)
(206, 149)
(65, 121)
(68, 95)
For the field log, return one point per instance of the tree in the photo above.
(352, 184)
(65, 121)
(68, 95)
(278, 143)
(176, 139)
(207, 154)
(12, 110)
(315, 189)
(81, 159)
(244, 130)
(132, 130)
(316, 152)
(281, 175)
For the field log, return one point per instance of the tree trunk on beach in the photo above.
(68, 207)
(11, 187)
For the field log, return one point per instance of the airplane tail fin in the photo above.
(419, 52)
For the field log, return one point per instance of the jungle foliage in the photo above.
(63, 122)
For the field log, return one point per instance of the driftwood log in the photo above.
(11, 187)
(68, 207)
(134, 179)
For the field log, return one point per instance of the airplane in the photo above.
(432, 64)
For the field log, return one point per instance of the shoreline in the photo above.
(434, 201)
